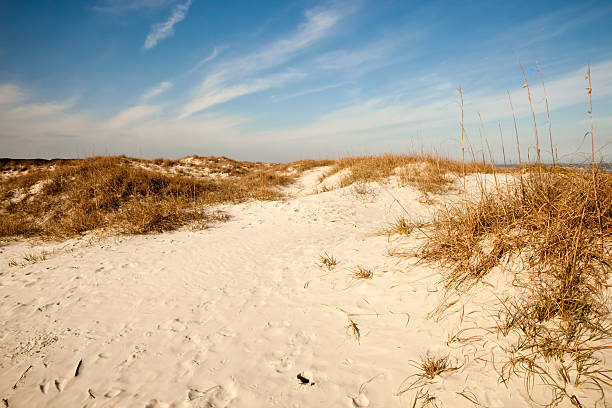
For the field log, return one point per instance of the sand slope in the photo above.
(229, 316)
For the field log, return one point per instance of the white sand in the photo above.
(229, 316)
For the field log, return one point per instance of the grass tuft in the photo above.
(403, 226)
(328, 261)
(34, 258)
(362, 273)
(434, 366)
(429, 368)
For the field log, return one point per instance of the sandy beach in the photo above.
(243, 314)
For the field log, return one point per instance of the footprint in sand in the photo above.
(300, 339)
(157, 404)
(227, 332)
(219, 396)
(285, 360)
(113, 393)
(45, 385)
(160, 404)
(361, 401)
(223, 395)
(285, 364)
(60, 384)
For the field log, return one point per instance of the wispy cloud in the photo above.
(119, 6)
(217, 95)
(231, 79)
(564, 91)
(309, 91)
(318, 24)
(35, 110)
(158, 90)
(165, 29)
(553, 24)
(10, 94)
(215, 52)
(133, 115)
(365, 57)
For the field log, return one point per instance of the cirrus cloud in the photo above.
(165, 29)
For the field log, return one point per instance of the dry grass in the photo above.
(23, 165)
(434, 366)
(71, 197)
(304, 165)
(352, 329)
(403, 226)
(34, 258)
(361, 272)
(328, 261)
(202, 165)
(426, 399)
(551, 217)
(428, 173)
(558, 222)
(429, 368)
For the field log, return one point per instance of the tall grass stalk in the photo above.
(535, 125)
(552, 152)
(459, 90)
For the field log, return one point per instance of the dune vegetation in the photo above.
(64, 198)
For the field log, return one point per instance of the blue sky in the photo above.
(280, 80)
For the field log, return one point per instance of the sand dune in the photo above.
(242, 315)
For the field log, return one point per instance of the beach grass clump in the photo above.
(433, 366)
(558, 224)
(403, 226)
(429, 178)
(429, 367)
